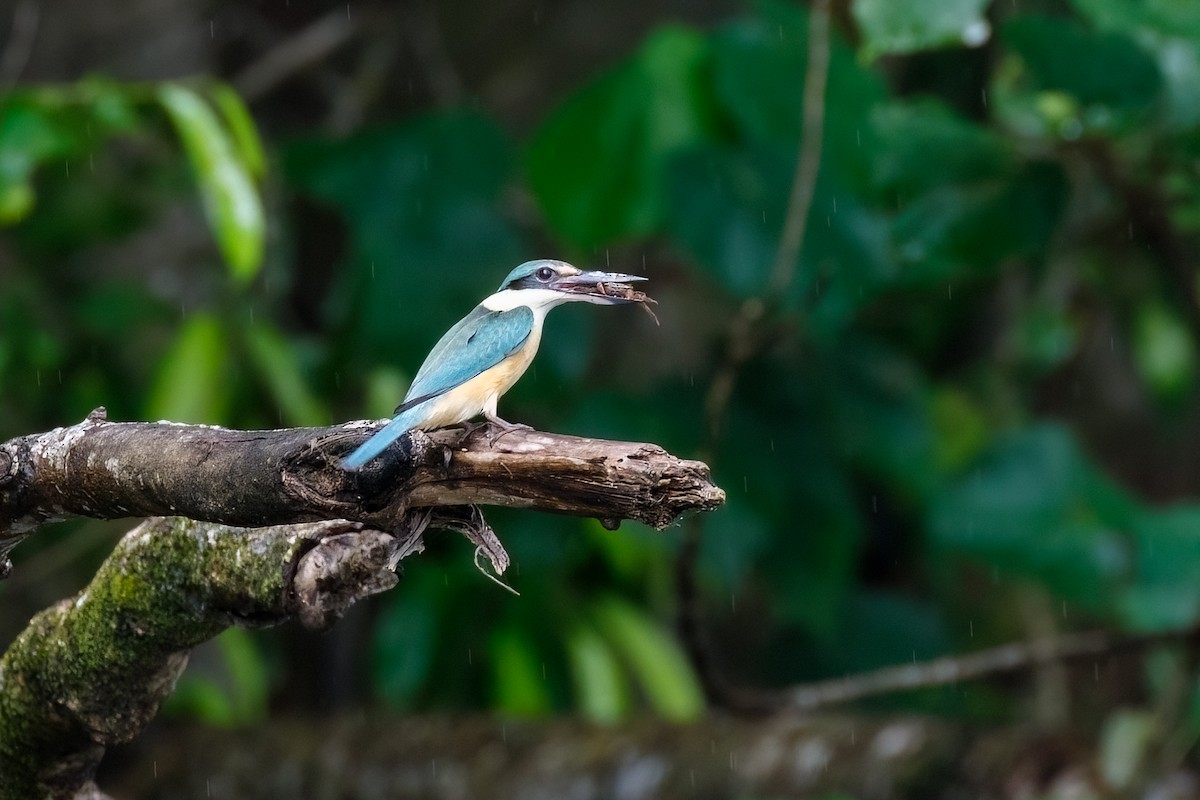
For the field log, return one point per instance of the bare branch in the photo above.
(110, 470)
(91, 671)
(808, 161)
(748, 335)
(17, 49)
(1008, 658)
(299, 51)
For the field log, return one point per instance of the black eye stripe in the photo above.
(528, 282)
(538, 279)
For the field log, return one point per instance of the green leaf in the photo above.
(231, 200)
(1164, 352)
(201, 698)
(1169, 30)
(810, 561)
(228, 691)
(909, 131)
(906, 26)
(735, 539)
(423, 206)
(630, 554)
(386, 387)
(1125, 743)
(600, 688)
(660, 666)
(889, 628)
(110, 106)
(193, 378)
(727, 208)
(242, 128)
(960, 428)
(279, 368)
(595, 164)
(16, 200)
(759, 66)
(1168, 17)
(405, 642)
(29, 135)
(518, 678)
(249, 683)
(878, 405)
(1104, 69)
(1034, 506)
(1165, 591)
(967, 229)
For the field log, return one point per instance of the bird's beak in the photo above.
(600, 287)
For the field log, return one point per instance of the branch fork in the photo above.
(253, 528)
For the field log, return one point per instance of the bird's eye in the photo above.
(544, 274)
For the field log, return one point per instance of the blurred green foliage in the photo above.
(908, 452)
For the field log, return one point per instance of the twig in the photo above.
(744, 338)
(429, 46)
(20, 43)
(308, 46)
(808, 163)
(1007, 658)
(375, 68)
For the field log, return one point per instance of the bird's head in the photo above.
(546, 283)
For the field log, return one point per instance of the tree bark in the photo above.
(110, 470)
(92, 670)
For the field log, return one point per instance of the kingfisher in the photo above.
(484, 354)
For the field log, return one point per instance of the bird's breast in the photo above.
(468, 399)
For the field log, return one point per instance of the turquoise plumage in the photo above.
(485, 353)
(476, 343)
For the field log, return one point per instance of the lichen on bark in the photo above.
(92, 670)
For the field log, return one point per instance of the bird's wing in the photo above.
(478, 342)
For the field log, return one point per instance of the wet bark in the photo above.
(111, 470)
(92, 670)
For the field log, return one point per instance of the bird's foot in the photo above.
(468, 429)
(505, 428)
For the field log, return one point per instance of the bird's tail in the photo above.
(389, 433)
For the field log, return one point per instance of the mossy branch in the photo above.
(92, 670)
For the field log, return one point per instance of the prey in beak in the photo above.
(607, 288)
(557, 282)
(602, 288)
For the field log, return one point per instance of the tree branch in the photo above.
(92, 670)
(747, 337)
(300, 50)
(1001, 660)
(111, 470)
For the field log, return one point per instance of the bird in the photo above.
(487, 351)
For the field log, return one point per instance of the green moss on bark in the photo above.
(92, 670)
